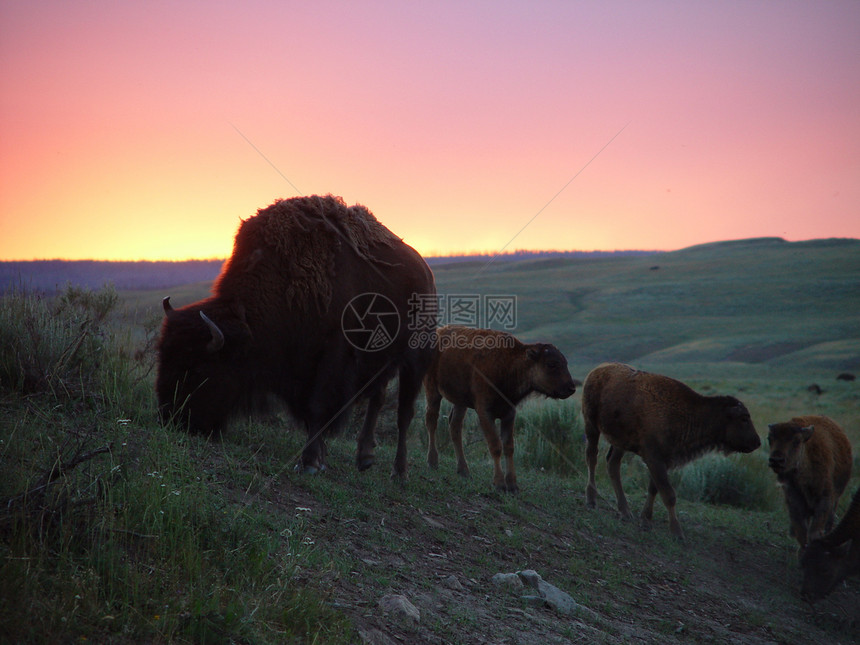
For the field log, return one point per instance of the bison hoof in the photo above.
(363, 463)
(677, 533)
(310, 469)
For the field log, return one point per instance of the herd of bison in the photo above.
(274, 327)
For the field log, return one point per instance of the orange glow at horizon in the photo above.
(149, 132)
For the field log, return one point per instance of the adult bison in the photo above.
(312, 307)
(664, 422)
(811, 457)
(491, 372)
(827, 561)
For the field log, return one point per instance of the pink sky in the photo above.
(148, 130)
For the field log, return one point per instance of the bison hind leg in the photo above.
(365, 457)
(409, 385)
(431, 422)
(613, 465)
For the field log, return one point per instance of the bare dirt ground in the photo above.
(439, 539)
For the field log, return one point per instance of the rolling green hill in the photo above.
(754, 302)
(114, 528)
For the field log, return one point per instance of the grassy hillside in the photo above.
(114, 529)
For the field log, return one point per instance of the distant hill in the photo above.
(49, 276)
(515, 256)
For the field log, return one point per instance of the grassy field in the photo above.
(114, 529)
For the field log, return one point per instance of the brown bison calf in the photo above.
(664, 422)
(811, 457)
(829, 560)
(491, 372)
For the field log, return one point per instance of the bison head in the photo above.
(740, 433)
(548, 371)
(786, 442)
(200, 357)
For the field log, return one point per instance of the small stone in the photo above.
(399, 607)
(530, 577)
(452, 583)
(508, 580)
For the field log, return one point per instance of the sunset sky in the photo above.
(148, 130)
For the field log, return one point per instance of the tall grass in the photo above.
(549, 435)
(109, 527)
(54, 345)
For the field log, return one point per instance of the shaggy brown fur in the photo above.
(811, 457)
(490, 372)
(661, 420)
(260, 336)
(300, 238)
(826, 562)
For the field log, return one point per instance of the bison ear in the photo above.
(165, 304)
(806, 433)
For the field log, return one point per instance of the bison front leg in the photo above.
(592, 435)
(822, 517)
(798, 513)
(507, 431)
(660, 482)
(314, 452)
(494, 444)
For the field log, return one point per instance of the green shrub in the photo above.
(743, 481)
(549, 434)
(54, 345)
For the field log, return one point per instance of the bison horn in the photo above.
(165, 302)
(217, 341)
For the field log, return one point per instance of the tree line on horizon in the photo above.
(51, 276)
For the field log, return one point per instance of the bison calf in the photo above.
(490, 372)
(829, 560)
(811, 457)
(664, 422)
